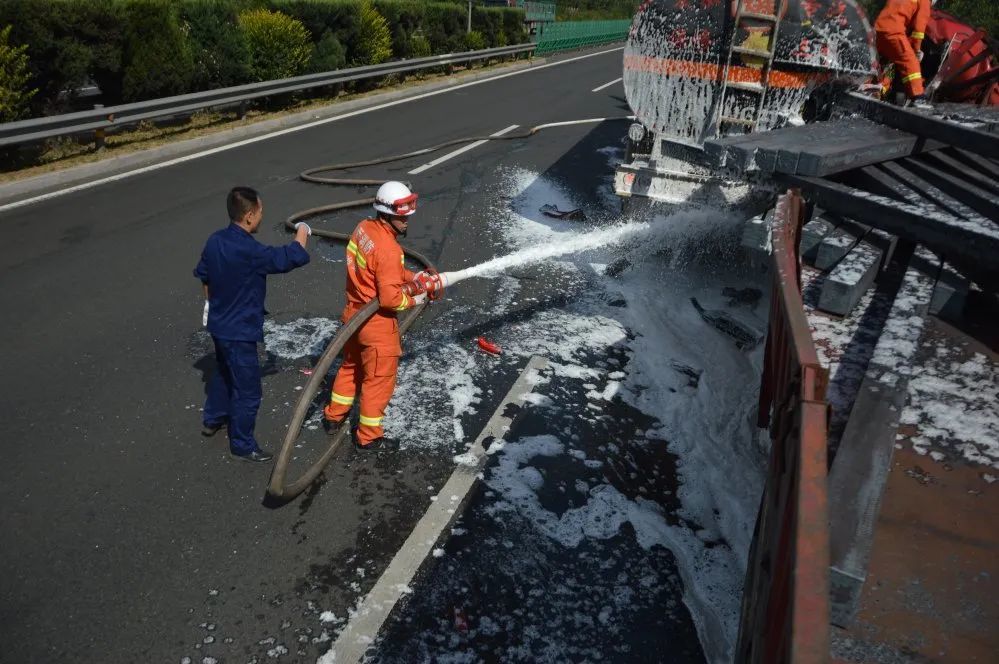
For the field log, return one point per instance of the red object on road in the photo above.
(460, 619)
(489, 346)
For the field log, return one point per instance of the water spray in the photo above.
(434, 283)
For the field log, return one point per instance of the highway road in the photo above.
(130, 538)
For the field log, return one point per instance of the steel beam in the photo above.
(954, 237)
(935, 194)
(973, 140)
(967, 172)
(980, 200)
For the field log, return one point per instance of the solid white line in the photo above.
(365, 623)
(289, 130)
(449, 155)
(605, 85)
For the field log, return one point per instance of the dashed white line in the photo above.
(462, 150)
(605, 85)
(282, 132)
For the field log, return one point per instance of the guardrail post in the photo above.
(98, 133)
(242, 109)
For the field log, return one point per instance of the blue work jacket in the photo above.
(235, 268)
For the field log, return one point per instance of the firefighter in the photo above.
(375, 268)
(900, 29)
(233, 270)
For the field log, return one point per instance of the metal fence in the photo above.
(100, 120)
(576, 34)
(785, 602)
(536, 12)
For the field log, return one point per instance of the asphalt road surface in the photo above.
(127, 536)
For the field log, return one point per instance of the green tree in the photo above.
(221, 54)
(280, 46)
(157, 56)
(14, 76)
(374, 39)
(329, 55)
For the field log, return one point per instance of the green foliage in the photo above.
(445, 27)
(419, 47)
(68, 41)
(280, 46)
(474, 41)
(221, 53)
(157, 54)
(329, 55)
(374, 39)
(136, 49)
(976, 13)
(595, 10)
(14, 77)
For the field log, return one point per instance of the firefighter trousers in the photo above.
(370, 370)
(898, 49)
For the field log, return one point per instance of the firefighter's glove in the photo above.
(418, 299)
(308, 229)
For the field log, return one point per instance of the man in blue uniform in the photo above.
(234, 269)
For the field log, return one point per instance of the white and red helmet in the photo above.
(396, 199)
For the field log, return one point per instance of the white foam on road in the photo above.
(443, 378)
(303, 337)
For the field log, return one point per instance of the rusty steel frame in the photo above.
(785, 602)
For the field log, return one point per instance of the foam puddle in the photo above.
(615, 398)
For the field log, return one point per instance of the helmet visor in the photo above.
(405, 206)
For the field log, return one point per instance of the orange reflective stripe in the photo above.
(704, 70)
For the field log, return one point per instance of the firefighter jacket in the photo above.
(376, 268)
(907, 18)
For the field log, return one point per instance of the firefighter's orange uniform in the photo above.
(900, 29)
(375, 268)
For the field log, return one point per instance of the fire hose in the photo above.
(278, 489)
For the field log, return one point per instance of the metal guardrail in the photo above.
(785, 601)
(577, 34)
(102, 119)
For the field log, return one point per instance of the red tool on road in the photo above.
(489, 346)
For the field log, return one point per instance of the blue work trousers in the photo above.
(234, 393)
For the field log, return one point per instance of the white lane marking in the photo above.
(449, 155)
(605, 85)
(364, 625)
(282, 132)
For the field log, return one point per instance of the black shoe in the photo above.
(209, 430)
(332, 427)
(256, 455)
(378, 444)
